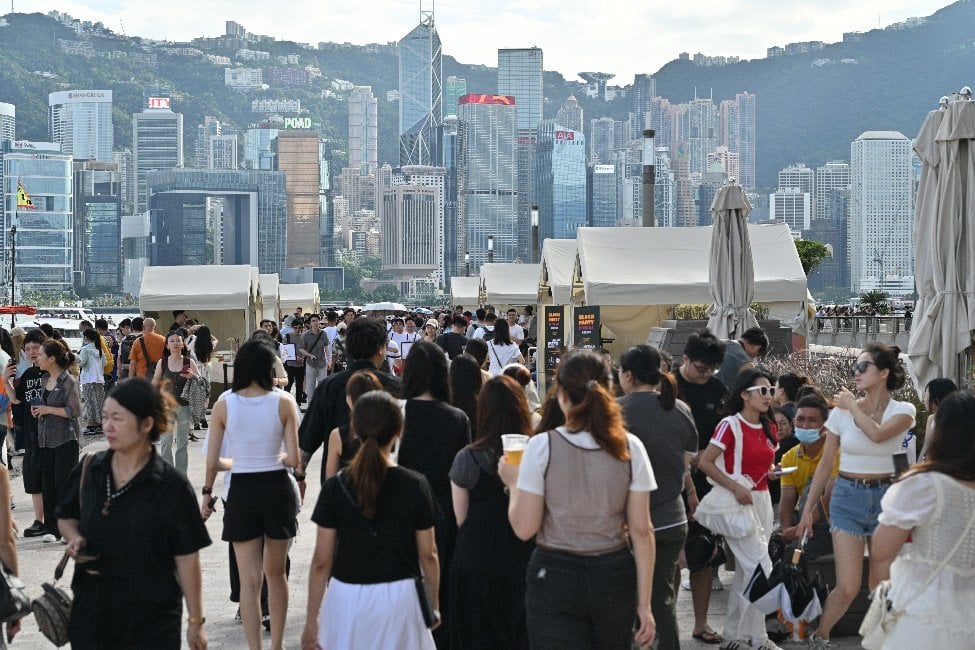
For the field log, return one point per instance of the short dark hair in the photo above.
(101, 324)
(254, 363)
(35, 336)
(364, 338)
(478, 349)
(490, 317)
(940, 388)
(126, 322)
(756, 336)
(705, 347)
(177, 312)
(814, 402)
(458, 321)
(480, 313)
(138, 323)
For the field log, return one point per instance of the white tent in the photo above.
(292, 296)
(642, 272)
(465, 291)
(509, 284)
(555, 279)
(225, 298)
(269, 297)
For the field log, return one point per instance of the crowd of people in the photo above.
(429, 531)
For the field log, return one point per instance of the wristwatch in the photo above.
(207, 490)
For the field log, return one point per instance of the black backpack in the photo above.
(125, 348)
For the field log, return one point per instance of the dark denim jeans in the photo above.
(581, 602)
(670, 542)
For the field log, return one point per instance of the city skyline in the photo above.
(605, 37)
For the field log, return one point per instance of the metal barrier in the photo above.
(857, 331)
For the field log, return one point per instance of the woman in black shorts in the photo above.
(258, 421)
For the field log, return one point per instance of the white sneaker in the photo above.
(817, 642)
(685, 584)
(716, 584)
(49, 538)
(766, 644)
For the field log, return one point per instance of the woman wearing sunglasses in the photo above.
(748, 420)
(866, 432)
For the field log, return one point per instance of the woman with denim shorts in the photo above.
(866, 432)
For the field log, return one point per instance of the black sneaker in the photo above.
(34, 530)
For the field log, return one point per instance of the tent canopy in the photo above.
(558, 261)
(203, 288)
(509, 284)
(465, 291)
(269, 296)
(305, 295)
(669, 266)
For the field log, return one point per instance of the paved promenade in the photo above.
(37, 562)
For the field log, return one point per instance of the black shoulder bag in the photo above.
(430, 615)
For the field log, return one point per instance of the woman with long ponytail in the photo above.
(577, 489)
(375, 534)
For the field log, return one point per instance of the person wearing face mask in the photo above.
(811, 416)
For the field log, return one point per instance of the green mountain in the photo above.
(807, 110)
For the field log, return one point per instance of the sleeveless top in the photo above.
(585, 500)
(254, 434)
(177, 382)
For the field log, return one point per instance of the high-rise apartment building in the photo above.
(643, 91)
(211, 127)
(791, 206)
(665, 191)
(8, 122)
(561, 181)
(363, 130)
(797, 177)
(745, 141)
(601, 196)
(521, 75)
(696, 125)
(832, 177)
(45, 235)
(222, 151)
(157, 143)
(299, 154)
(420, 93)
(487, 177)
(570, 114)
(124, 162)
(81, 122)
(880, 228)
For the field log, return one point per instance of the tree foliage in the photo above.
(811, 253)
(876, 299)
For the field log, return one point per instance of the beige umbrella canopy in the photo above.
(731, 270)
(945, 245)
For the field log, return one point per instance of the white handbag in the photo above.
(719, 510)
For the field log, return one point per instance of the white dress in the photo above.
(937, 508)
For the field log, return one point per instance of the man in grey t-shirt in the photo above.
(741, 354)
(316, 351)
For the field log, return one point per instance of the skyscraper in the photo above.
(453, 236)
(8, 122)
(454, 89)
(298, 153)
(602, 140)
(797, 177)
(745, 145)
(97, 223)
(435, 177)
(157, 141)
(222, 153)
(644, 90)
(521, 75)
(363, 130)
(561, 181)
(880, 228)
(81, 122)
(124, 161)
(487, 177)
(832, 177)
(211, 127)
(45, 235)
(410, 244)
(697, 126)
(420, 93)
(570, 114)
(601, 196)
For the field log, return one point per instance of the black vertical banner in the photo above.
(554, 339)
(585, 320)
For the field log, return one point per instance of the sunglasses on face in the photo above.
(862, 367)
(764, 391)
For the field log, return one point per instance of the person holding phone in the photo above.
(866, 433)
(176, 369)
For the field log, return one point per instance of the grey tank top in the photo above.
(585, 499)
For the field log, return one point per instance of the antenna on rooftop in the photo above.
(426, 16)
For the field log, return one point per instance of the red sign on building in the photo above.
(565, 135)
(506, 100)
(159, 102)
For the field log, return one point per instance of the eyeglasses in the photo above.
(764, 391)
(704, 370)
(862, 367)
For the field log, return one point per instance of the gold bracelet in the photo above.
(196, 621)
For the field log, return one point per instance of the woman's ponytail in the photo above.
(376, 420)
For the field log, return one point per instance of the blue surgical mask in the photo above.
(807, 436)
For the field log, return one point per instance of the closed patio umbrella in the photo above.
(944, 246)
(732, 273)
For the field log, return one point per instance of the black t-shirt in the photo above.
(452, 343)
(405, 505)
(705, 401)
(29, 387)
(434, 433)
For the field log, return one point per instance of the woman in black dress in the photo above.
(433, 434)
(487, 576)
(134, 531)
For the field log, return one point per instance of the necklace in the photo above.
(109, 495)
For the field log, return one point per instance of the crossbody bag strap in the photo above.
(944, 563)
(145, 351)
(739, 440)
(372, 529)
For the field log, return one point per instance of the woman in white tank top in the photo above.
(259, 421)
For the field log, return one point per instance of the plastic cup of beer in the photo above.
(513, 446)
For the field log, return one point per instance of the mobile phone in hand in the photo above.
(186, 365)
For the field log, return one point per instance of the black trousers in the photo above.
(296, 376)
(56, 465)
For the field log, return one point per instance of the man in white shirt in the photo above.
(479, 315)
(517, 331)
(486, 330)
(406, 338)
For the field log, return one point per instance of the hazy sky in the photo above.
(617, 36)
